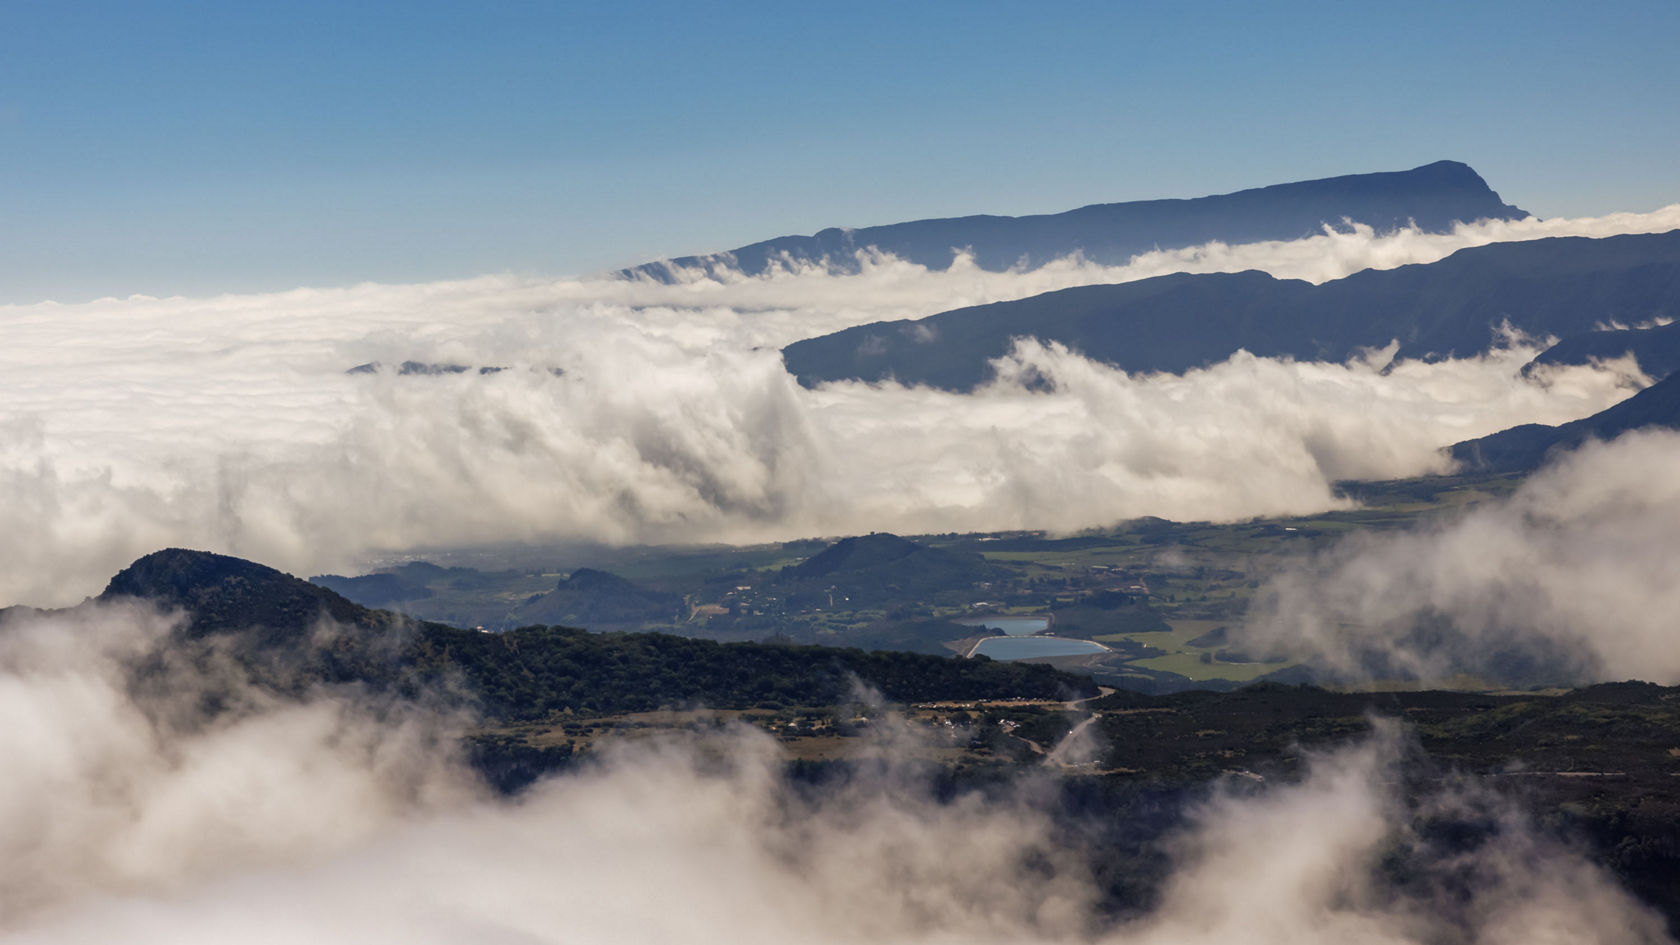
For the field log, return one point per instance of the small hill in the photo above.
(1526, 447)
(1433, 196)
(881, 569)
(221, 593)
(856, 554)
(598, 599)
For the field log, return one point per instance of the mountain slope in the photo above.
(1526, 447)
(600, 600)
(885, 569)
(1657, 348)
(1433, 196)
(864, 552)
(220, 593)
(1549, 287)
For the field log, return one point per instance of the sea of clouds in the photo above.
(636, 411)
(642, 411)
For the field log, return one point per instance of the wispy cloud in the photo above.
(1576, 577)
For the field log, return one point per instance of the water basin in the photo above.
(1035, 647)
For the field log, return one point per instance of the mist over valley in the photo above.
(1292, 565)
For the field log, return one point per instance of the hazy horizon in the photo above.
(173, 149)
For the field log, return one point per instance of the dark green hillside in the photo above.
(856, 554)
(881, 569)
(220, 593)
(532, 672)
(600, 600)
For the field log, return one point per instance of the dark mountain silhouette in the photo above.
(592, 599)
(1657, 349)
(1526, 447)
(221, 593)
(272, 624)
(1433, 196)
(1551, 287)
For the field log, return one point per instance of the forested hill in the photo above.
(1433, 196)
(290, 633)
(1552, 287)
(220, 593)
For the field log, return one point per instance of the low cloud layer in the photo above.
(634, 411)
(319, 821)
(1575, 577)
(108, 796)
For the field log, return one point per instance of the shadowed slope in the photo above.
(1433, 196)
(1454, 307)
(1526, 447)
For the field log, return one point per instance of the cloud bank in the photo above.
(637, 411)
(318, 821)
(1576, 577)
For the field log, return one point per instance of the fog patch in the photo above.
(119, 781)
(316, 821)
(1575, 577)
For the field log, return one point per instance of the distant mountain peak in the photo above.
(1433, 197)
(1557, 286)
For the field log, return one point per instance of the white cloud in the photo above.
(230, 423)
(1575, 576)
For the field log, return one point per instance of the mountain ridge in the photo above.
(1526, 447)
(1432, 196)
(1455, 306)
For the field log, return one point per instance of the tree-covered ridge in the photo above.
(536, 671)
(221, 592)
(275, 622)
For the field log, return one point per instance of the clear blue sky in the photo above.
(164, 147)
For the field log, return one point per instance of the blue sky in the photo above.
(197, 148)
